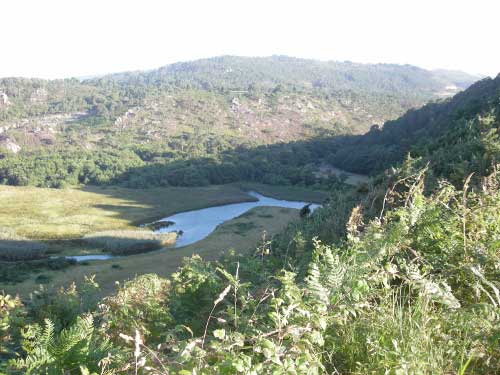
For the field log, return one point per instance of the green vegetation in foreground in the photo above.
(411, 289)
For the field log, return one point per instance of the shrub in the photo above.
(142, 304)
(11, 321)
(43, 279)
(16, 272)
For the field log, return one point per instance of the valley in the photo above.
(319, 217)
(210, 121)
(241, 235)
(62, 221)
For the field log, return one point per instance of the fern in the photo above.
(63, 353)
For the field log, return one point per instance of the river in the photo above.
(198, 224)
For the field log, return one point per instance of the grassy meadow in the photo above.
(57, 214)
(241, 234)
(77, 221)
(292, 193)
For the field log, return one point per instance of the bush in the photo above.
(16, 272)
(43, 279)
(141, 303)
(410, 291)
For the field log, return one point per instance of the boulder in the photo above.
(9, 145)
(4, 100)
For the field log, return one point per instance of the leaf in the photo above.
(220, 333)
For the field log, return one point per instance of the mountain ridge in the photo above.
(227, 63)
(171, 122)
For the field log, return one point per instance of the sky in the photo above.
(75, 38)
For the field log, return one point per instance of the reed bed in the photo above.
(17, 248)
(126, 242)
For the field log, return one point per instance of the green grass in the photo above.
(265, 215)
(61, 214)
(79, 221)
(354, 179)
(240, 228)
(272, 220)
(12, 273)
(292, 193)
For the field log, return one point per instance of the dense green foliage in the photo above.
(413, 290)
(221, 112)
(457, 136)
(280, 164)
(257, 73)
(59, 169)
(35, 97)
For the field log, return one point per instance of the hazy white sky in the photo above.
(62, 38)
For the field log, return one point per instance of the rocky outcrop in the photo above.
(8, 144)
(235, 104)
(122, 121)
(4, 100)
(38, 96)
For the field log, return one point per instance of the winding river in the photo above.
(198, 224)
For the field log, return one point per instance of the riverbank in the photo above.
(241, 234)
(291, 193)
(59, 219)
(63, 214)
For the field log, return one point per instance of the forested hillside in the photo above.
(55, 133)
(458, 136)
(239, 73)
(399, 276)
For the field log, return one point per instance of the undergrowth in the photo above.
(411, 290)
